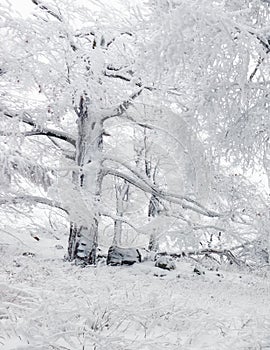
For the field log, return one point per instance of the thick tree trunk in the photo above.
(83, 243)
(83, 238)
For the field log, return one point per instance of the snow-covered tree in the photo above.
(71, 73)
(216, 54)
(74, 77)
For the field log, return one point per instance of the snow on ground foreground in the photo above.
(50, 304)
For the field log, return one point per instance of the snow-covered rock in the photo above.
(165, 262)
(123, 256)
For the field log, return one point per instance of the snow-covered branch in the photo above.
(148, 187)
(42, 131)
(207, 252)
(36, 173)
(123, 220)
(121, 109)
(32, 200)
(47, 9)
(161, 193)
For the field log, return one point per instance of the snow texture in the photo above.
(46, 303)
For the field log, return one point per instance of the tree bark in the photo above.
(83, 238)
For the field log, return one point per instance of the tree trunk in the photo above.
(153, 211)
(154, 206)
(122, 196)
(83, 238)
(150, 168)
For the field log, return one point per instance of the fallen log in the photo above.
(206, 252)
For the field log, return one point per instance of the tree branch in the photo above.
(124, 221)
(118, 76)
(42, 131)
(259, 62)
(195, 226)
(169, 91)
(52, 133)
(148, 187)
(121, 109)
(44, 7)
(34, 172)
(31, 200)
(221, 252)
(67, 154)
(156, 190)
(123, 33)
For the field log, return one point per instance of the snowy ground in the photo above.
(46, 303)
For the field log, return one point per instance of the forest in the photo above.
(135, 168)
